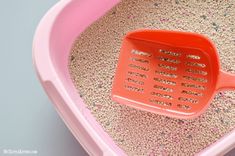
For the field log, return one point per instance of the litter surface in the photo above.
(93, 63)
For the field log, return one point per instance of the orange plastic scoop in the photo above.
(170, 73)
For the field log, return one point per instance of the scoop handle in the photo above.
(226, 81)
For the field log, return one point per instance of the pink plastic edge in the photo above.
(50, 69)
(78, 119)
(221, 146)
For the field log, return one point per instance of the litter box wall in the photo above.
(53, 40)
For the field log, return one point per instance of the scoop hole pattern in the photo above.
(166, 74)
(165, 81)
(186, 107)
(135, 81)
(194, 57)
(193, 71)
(195, 64)
(140, 60)
(141, 53)
(167, 67)
(188, 85)
(170, 53)
(188, 92)
(131, 73)
(138, 67)
(165, 59)
(135, 89)
(160, 102)
(163, 88)
(203, 80)
(190, 100)
(161, 95)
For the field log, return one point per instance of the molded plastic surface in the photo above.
(52, 43)
(168, 72)
(53, 40)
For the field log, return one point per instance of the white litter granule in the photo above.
(94, 58)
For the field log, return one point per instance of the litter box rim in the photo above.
(76, 119)
(73, 117)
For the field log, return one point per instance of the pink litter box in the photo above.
(52, 43)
